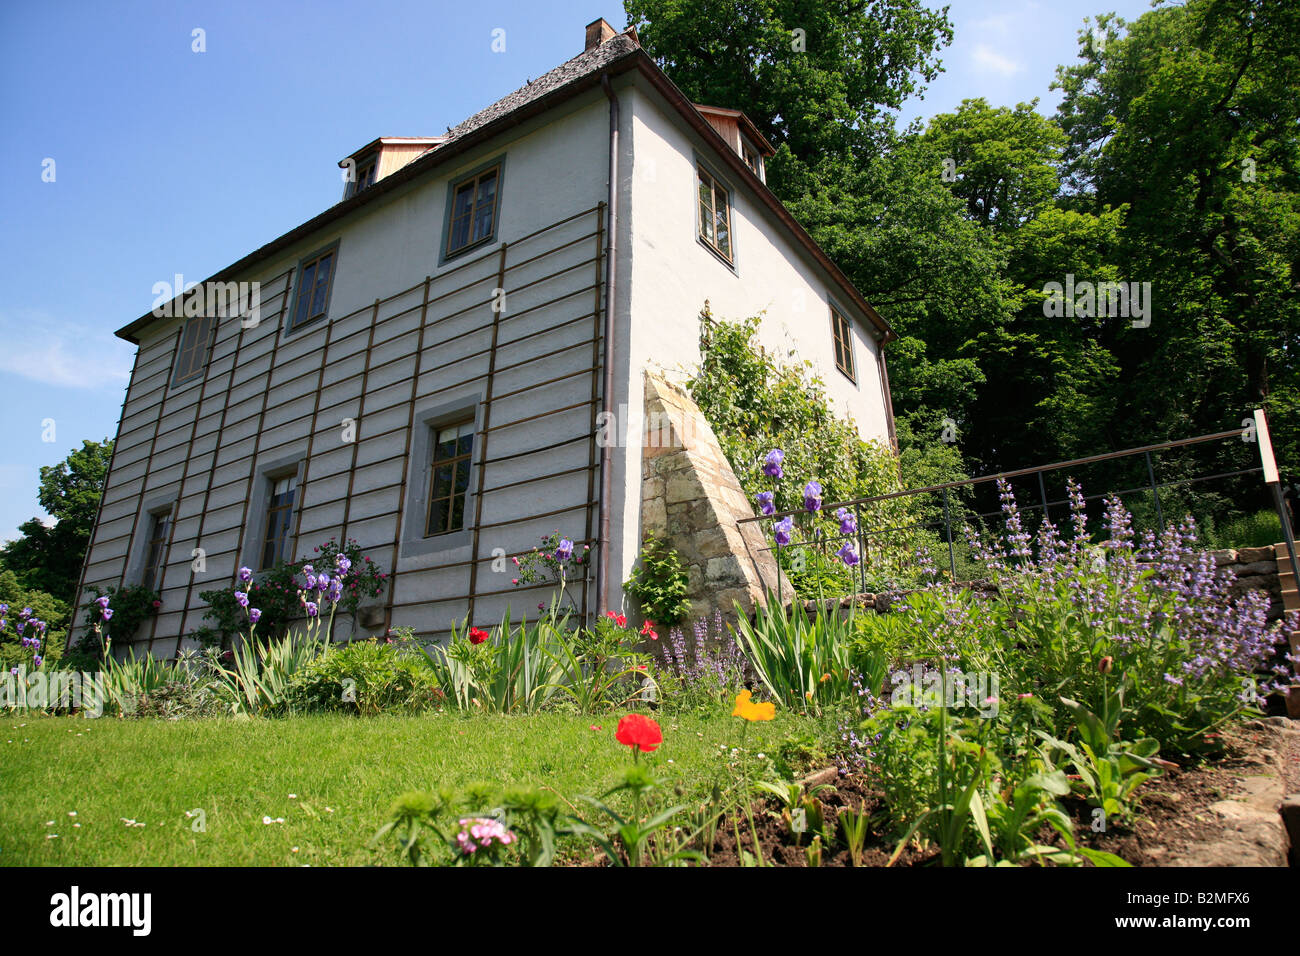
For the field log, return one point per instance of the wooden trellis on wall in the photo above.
(518, 325)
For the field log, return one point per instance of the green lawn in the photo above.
(343, 771)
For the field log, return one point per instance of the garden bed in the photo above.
(1188, 816)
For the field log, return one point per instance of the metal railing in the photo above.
(953, 508)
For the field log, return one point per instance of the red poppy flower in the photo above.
(477, 635)
(639, 731)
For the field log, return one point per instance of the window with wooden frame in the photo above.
(315, 276)
(365, 176)
(715, 214)
(155, 555)
(453, 449)
(473, 214)
(279, 521)
(843, 336)
(192, 354)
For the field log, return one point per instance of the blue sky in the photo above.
(172, 161)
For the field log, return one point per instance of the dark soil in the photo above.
(1173, 814)
(778, 847)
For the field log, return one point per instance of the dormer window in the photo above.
(365, 176)
(382, 157)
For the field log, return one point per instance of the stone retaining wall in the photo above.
(1254, 569)
(691, 498)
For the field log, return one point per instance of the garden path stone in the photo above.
(1252, 830)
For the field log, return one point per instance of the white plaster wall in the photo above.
(666, 275)
(673, 273)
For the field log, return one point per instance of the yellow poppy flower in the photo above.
(747, 709)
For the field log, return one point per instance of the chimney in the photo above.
(598, 31)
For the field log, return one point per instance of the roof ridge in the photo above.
(585, 62)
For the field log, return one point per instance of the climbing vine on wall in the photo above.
(756, 403)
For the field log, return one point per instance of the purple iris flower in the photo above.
(102, 601)
(847, 554)
(254, 615)
(323, 582)
(772, 464)
(108, 613)
(241, 598)
(848, 523)
(336, 590)
(564, 550)
(37, 660)
(782, 530)
(812, 496)
(344, 564)
(767, 502)
(245, 574)
(14, 671)
(312, 609)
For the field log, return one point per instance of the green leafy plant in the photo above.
(600, 668)
(804, 663)
(364, 677)
(510, 668)
(128, 681)
(801, 811)
(1110, 770)
(132, 605)
(635, 833)
(1017, 814)
(855, 826)
(659, 583)
(275, 592)
(475, 827)
(558, 560)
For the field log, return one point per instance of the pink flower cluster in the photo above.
(479, 833)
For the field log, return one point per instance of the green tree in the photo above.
(1003, 161)
(49, 559)
(51, 610)
(1188, 117)
(817, 77)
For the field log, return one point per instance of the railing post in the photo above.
(779, 597)
(1042, 491)
(1155, 492)
(862, 548)
(947, 524)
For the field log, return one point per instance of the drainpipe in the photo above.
(607, 452)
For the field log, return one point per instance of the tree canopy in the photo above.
(1171, 163)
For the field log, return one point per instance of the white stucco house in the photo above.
(429, 360)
